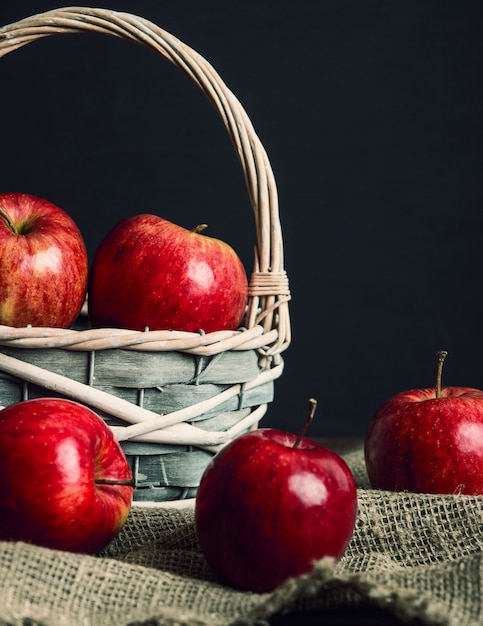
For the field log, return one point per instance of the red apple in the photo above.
(43, 263)
(428, 441)
(148, 272)
(64, 481)
(269, 504)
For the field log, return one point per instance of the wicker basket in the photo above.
(171, 398)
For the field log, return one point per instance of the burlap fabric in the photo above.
(418, 556)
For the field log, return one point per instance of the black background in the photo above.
(371, 113)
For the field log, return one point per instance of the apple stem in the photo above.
(441, 357)
(308, 421)
(8, 221)
(129, 482)
(200, 228)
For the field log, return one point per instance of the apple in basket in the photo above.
(65, 483)
(269, 504)
(149, 272)
(43, 263)
(428, 440)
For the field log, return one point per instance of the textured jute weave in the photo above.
(417, 556)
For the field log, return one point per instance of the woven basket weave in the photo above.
(171, 398)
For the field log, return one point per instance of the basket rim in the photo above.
(267, 311)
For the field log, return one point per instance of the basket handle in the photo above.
(269, 292)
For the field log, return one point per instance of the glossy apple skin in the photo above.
(52, 451)
(418, 443)
(44, 272)
(265, 510)
(149, 272)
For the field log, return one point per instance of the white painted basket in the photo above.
(171, 398)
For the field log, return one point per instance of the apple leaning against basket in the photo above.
(428, 441)
(65, 483)
(270, 504)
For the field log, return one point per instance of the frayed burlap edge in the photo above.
(416, 556)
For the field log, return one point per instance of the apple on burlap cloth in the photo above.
(414, 555)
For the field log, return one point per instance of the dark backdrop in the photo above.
(371, 113)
